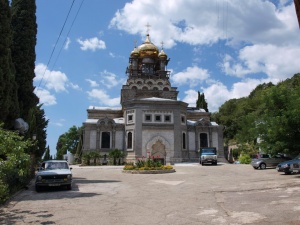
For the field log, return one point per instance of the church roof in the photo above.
(192, 123)
(105, 108)
(195, 110)
(158, 99)
(94, 121)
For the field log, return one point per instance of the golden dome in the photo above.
(134, 53)
(148, 48)
(162, 54)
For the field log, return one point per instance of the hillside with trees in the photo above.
(267, 120)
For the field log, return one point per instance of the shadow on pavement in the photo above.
(16, 216)
(80, 180)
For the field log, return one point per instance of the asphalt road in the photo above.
(194, 194)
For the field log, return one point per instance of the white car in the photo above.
(54, 173)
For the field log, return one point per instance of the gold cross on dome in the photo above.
(148, 27)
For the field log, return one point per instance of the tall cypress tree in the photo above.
(8, 89)
(201, 102)
(23, 52)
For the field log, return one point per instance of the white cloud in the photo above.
(191, 97)
(92, 83)
(217, 93)
(278, 62)
(67, 44)
(192, 76)
(91, 44)
(60, 123)
(74, 86)
(110, 80)
(103, 98)
(45, 97)
(206, 22)
(55, 80)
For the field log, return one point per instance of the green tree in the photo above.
(47, 155)
(68, 142)
(14, 163)
(268, 119)
(24, 30)
(201, 102)
(279, 127)
(8, 88)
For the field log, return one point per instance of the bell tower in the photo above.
(147, 74)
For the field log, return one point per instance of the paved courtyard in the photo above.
(194, 194)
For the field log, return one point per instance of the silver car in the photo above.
(265, 160)
(53, 173)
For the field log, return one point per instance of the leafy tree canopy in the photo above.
(68, 142)
(267, 120)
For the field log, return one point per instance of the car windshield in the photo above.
(56, 165)
(207, 150)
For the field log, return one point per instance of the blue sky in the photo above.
(222, 48)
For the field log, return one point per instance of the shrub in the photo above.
(4, 192)
(245, 158)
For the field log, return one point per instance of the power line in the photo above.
(67, 34)
(56, 43)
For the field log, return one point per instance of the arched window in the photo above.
(129, 140)
(105, 140)
(166, 89)
(203, 140)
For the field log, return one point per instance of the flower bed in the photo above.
(148, 166)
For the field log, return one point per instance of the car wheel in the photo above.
(262, 166)
(287, 173)
(69, 187)
(255, 168)
(202, 163)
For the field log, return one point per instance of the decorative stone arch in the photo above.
(203, 123)
(106, 122)
(156, 87)
(139, 81)
(150, 80)
(160, 82)
(133, 87)
(159, 146)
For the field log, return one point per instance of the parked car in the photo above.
(295, 167)
(54, 173)
(266, 160)
(208, 155)
(287, 166)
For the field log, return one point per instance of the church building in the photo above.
(151, 122)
